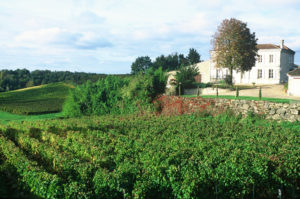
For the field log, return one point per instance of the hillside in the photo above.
(35, 100)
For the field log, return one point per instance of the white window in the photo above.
(271, 58)
(259, 73)
(259, 58)
(271, 73)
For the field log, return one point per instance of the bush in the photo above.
(116, 95)
(286, 87)
(202, 85)
(228, 80)
(186, 75)
(143, 88)
(95, 99)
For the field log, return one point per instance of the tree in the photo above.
(168, 63)
(234, 46)
(141, 64)
(160, 61)
(172, 62)
(145, 87)
(182, 61)
(193, 56)
(186, 76)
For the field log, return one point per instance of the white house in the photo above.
(271, 67)
(294, 82)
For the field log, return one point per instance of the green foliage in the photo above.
(40, 182)
(139, 88)
(286, 86)
(10, 186)
(259, 93)
(186, 75)
(96, 99)
(37, 100)
(22, 78)
(202, 85)
(132, 156)
(141, 64)
(228, 80)
(193, 56)
(143, 88)
(166, 62)
(7, 117)
(116, 95)
(237, 92)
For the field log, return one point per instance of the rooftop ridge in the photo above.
(295, 72)
(272, 46)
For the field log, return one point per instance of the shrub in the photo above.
(99, 98)
(186, 75)
(228, 80)
(116, 95)
(286, 87)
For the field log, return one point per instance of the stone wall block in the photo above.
(281, 111)
(294, 111)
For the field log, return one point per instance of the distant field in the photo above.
(36, 100)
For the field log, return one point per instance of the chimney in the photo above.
(282, 44)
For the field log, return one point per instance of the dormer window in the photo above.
(259, 58)
(271, 58)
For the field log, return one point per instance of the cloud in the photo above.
(90, 40)
(279, 3)
(89, 17)
(61, 38)
(103, 34)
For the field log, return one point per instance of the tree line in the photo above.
(23, 78)
(168, 63)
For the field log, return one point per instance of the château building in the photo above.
(272, 65)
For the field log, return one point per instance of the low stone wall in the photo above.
(205, 91)
(173, 105)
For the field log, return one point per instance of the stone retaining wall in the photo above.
(171, 105)
(205, 91)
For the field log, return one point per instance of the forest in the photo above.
(23, 78)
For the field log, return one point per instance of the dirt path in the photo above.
(272, 91)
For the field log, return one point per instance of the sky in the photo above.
(106, 36)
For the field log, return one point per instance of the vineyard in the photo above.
(130, 156)
(36, 100)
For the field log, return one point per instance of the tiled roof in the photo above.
(295, 72)
(271, 46)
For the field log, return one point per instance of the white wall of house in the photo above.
(271, 68)
(294, 86)
(204, 70)
(266, 69)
